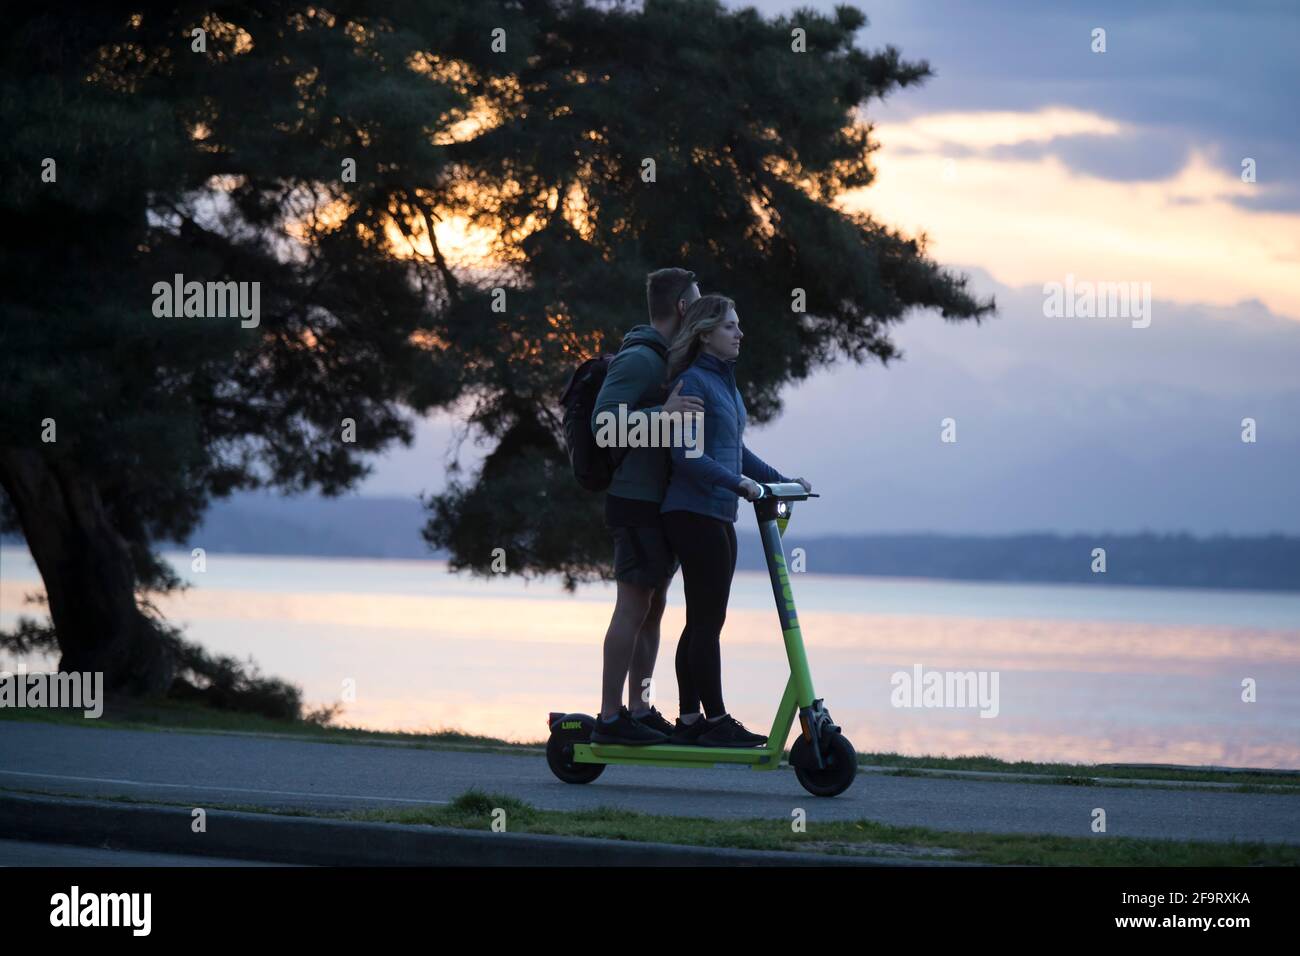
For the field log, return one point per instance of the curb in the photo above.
(275, 838)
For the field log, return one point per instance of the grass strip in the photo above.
(475, 809)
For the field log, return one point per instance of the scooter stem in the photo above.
(766, 510)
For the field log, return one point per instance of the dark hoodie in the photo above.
(636, 375)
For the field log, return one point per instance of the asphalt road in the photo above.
(204, 769)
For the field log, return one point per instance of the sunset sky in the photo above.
(1029, 155)
(1028, 158)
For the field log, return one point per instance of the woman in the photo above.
(699, 514)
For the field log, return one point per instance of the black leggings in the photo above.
(706, 548)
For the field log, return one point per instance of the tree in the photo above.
(223, 163)
(213, 143)
(751, 143)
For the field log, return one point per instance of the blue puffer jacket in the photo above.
(710, 484)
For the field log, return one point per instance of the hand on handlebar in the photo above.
(751, 489)
(806, 485)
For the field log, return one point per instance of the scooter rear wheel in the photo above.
(559, 750)
(837, 776)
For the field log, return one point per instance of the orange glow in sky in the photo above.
(1033, 220)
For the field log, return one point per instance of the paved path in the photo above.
(202, 769)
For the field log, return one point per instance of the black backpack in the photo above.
(592, 465)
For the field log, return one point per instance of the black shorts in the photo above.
(643, 556)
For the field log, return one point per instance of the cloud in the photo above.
(996, 190)
(1136, 155)
(983, 131)
(1284, 197)
(1214, 78)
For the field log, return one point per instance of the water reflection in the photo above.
(428, 650)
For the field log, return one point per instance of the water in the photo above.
(1084, 673)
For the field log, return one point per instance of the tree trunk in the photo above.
(88, 575)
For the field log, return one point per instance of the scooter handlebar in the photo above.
(784, 491)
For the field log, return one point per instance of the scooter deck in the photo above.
(676, 755)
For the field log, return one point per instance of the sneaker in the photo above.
(624, 730)
(688, 734)
(654, 720)
(728, 732)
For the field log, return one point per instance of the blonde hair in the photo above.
(702, 316)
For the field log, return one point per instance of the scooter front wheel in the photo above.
(837, 776)
(559, 749)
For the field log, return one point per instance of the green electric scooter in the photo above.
(823, 759)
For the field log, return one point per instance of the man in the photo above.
(644, 563)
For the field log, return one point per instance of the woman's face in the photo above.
(724, 340)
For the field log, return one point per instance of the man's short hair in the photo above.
(663, 289)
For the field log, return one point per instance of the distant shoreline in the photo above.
(363, 528)
(960, 559)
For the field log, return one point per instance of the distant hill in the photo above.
(390, 528)
(1266, 563)
(326, 527)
